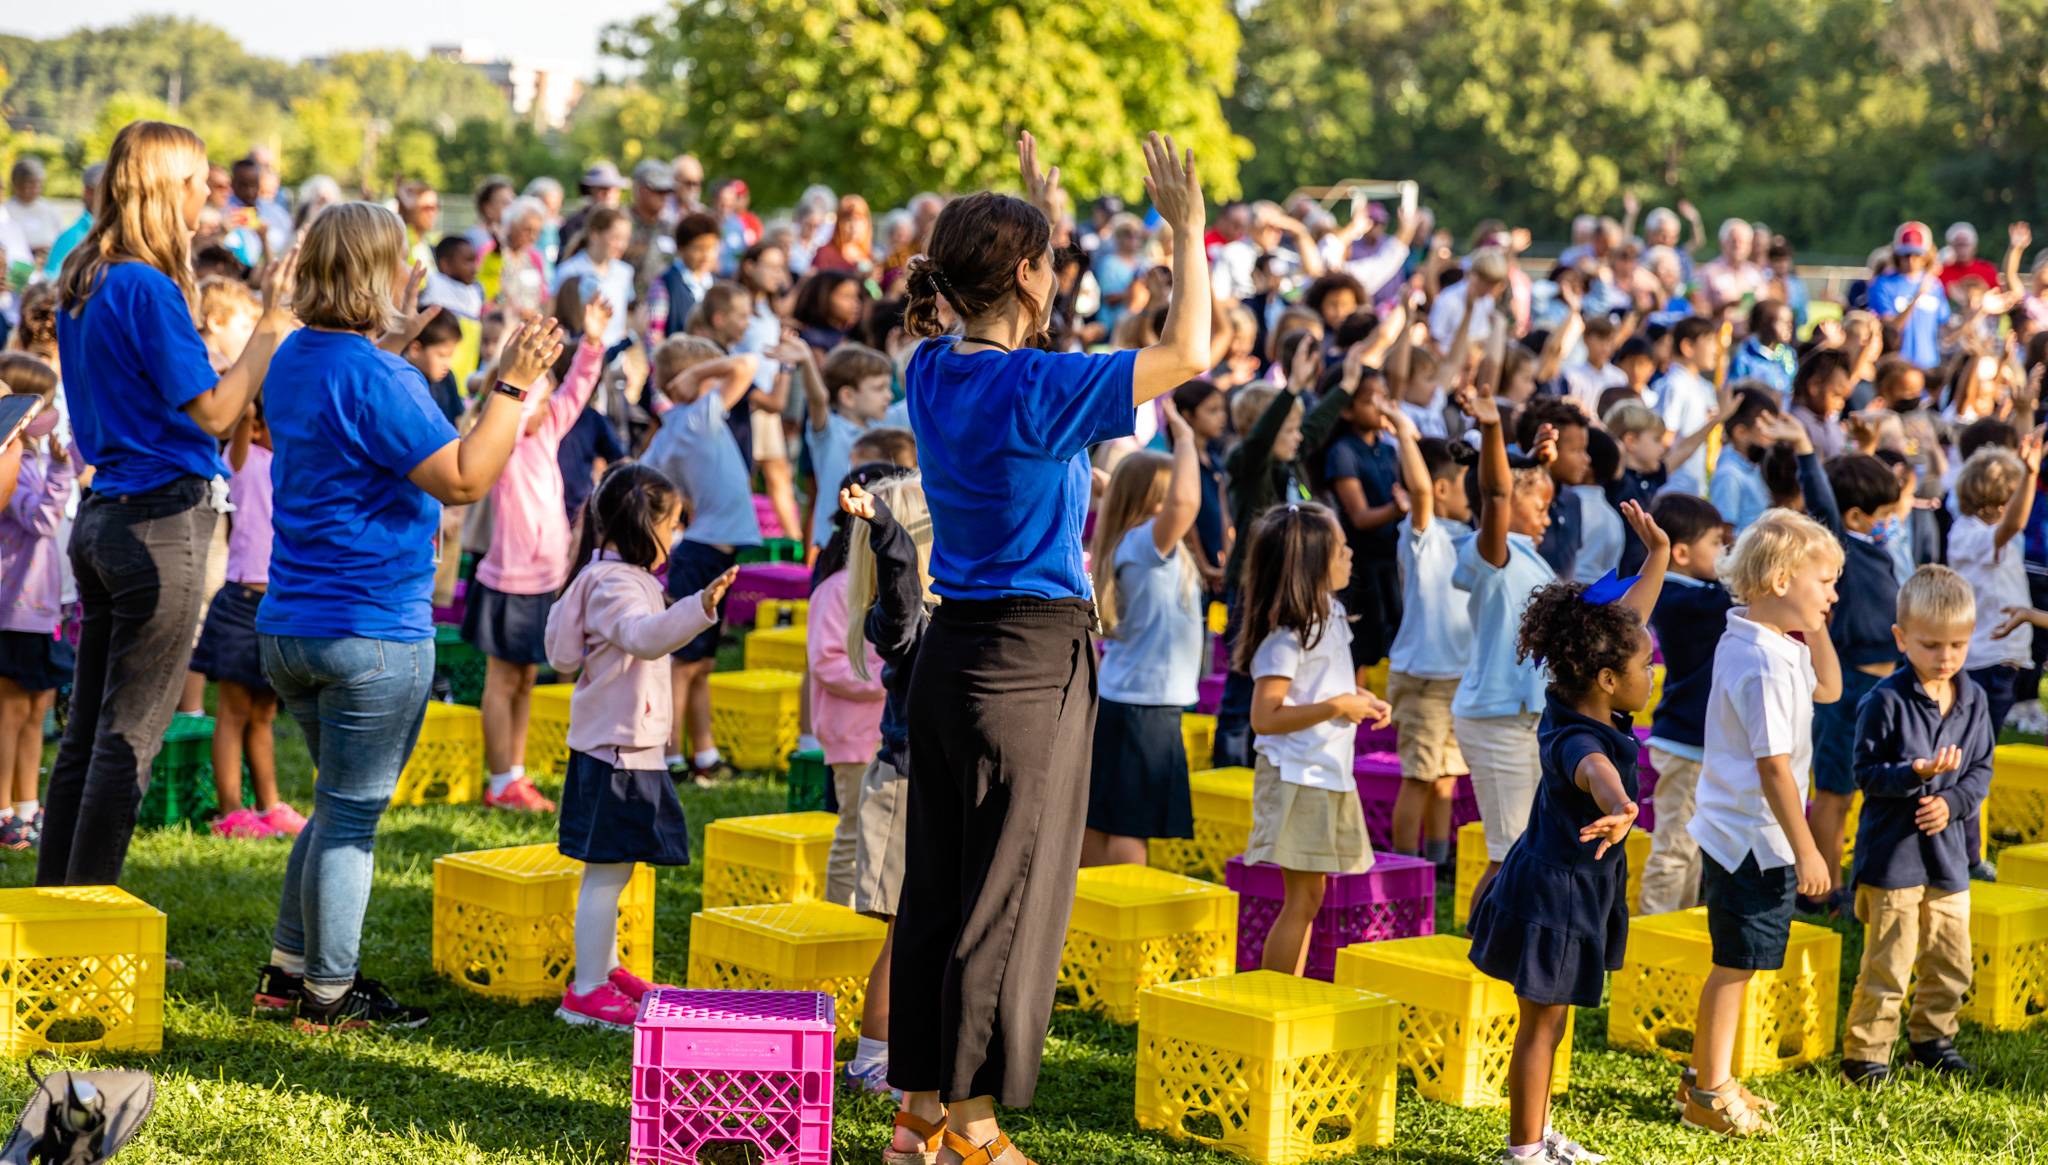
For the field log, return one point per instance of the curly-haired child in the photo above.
(1554, 920)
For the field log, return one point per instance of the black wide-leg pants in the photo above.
(1002, 721)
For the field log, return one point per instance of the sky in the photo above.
(295, 30)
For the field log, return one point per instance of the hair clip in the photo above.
(1292, 508)
(1608, 588)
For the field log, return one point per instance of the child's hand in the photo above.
(1480, 406)
(857, 501)
(1611, 830)
(2013, 617)
(1646, 528)
(1177, 427)
(710, 595)
(1399, 423)
(2020, 235)
(1357, 706)
(1786, 428)
(1947, 759)
(1544, 449)
(1098, 482)
(411, 321)
(1932, 816)
(2030, 451)
(1382, 711)
(1811, 871)
(531, 351)
(1354, 364)
(1307, 364)
(277, 280)
(597, 316)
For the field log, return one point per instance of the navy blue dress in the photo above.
(1554, 920)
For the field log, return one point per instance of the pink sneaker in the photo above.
(245, 823)
(633, 986)
(520, 797)
(285, 819)
(605, 1007)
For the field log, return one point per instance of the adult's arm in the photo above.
(1182, 352)
(219, 409)
(464, 470)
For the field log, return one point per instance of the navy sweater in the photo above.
(1897, 724)
(1688, 622)
(1867, 592)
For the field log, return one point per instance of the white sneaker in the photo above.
(2028, 718)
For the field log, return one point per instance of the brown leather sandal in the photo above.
(928, 1154)
(992, 1153)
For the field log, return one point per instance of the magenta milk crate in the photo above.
(1372, 739)
(1646, 783)
(766, 518)
(759, 581)
(1378, 775)
(1209, 694)
(1394, 899)
(717, 1071)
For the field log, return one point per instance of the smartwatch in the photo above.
(518, 394)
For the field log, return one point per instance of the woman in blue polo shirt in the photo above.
(149, 413)
(1002, 698)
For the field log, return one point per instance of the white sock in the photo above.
(28, 808)
(287, 962)
(8, 814)
(705, 758)
(869, 1054)
(327, 992)
(674, 760)
(597, 923)
(500, 780)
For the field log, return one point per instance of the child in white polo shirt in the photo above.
(1749, 817)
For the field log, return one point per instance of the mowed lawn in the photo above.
(490, 1082)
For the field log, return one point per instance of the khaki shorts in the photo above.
(1422, 712)
(878, 847)
(1297, 827)
(1506, 768)
(768, 441)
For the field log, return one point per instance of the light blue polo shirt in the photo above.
(1497, 684)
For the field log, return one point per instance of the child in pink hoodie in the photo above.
(516, 582)
(619, 807)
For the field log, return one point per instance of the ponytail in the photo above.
(623, 511)
(976, 246)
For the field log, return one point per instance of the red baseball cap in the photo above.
(1912, 238)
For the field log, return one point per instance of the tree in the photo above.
(891, 98)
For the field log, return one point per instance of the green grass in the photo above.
(490, 1082)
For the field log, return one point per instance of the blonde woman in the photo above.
(149, 413)
(364, 462)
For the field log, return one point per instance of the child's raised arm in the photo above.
(464, 470)
(1183, 502)
(1642, 597)
(1414, 472)
(2021, 504)
(1496, 480)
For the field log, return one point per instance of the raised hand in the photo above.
(1177, 427)
(856, 500)
(411, 320)
(597, 316)
(1354, 364)
(716, 591)
(1171, 182)
(1646, 527)
(1041, 189)
(1631, 202)
(1687, 210)
(1305, 367)
(1785, 427)
(1480, 406)
(2030, 451)
(1946, 759)
(277, 280)
(1610, 830)
(2020, 235)
(1543, 450)
(531, 351)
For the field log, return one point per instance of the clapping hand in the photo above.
(1172, 184)
(531, 351)
(710, 595)
(410, 319)
(597, 316)
(1610, 830)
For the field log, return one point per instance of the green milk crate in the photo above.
(773, 550)
(462, 664)
(181, 778)
(808, 777)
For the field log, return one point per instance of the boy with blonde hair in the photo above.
(1923, 760)
(1749, 815)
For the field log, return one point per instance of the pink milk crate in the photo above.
(760, 581)
(718, 1070)
(1394, 899)
(1646, 783)
(1209, 694)
(1372, 739)
(764, 513)
(1378, 775)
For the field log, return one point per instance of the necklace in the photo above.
(990, 343)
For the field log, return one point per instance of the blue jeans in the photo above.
(360, 703)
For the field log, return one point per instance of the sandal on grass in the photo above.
(928, 1153)
(996, 1152)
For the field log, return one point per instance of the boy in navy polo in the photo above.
(1923, 759)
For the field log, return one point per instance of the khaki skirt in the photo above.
(1297, 827)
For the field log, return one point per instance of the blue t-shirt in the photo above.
(132, 362)
(1002, 441)
(353, 541)
(697, 451)
(1497, 683)
(1155, 655)
(1920, 340)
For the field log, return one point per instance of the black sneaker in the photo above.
(364, 1005)
(1940, 1055)
(278, 992)
(1866, 1073)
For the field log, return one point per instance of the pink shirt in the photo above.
(615, 624)
(530, 549)
(31, 587)
(249, 525)
(846, 711)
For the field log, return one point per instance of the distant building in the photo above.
(542, 90)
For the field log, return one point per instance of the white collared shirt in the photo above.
(1761, 705)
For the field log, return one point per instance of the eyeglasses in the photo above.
(692, 183)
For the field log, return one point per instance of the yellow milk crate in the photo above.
(754, 716)
(1642, 717)
(1376, 677)
(1472, 862)
(1457, 1025)
(1198, 733)
(777, 649)
(2023, 865)
(1218, 617)
(800, 946)
(1134, 926)
(547, 731)
(81, 969)
(1788, 1016)
(1223, 823)
(2018, 807)
(2009, 947)
(776, 857)
(505, 921)
(771, 613)
(1275, 1063)
(447, 765)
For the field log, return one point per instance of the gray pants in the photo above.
(141, 563)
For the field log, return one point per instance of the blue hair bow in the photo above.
(1608, 589)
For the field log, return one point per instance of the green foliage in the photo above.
(892, 98)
